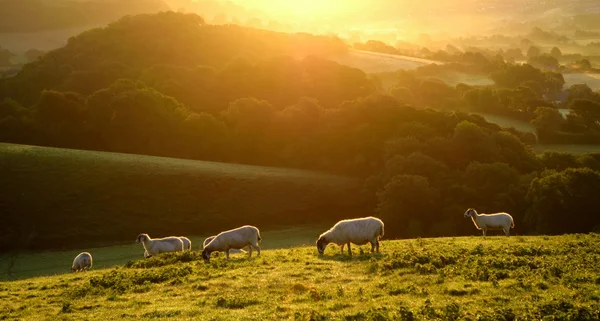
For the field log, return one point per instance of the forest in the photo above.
(241, 95)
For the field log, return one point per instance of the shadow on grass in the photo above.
(354, 258)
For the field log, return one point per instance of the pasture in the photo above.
(66, 199)
(32, 264)
(465, 278)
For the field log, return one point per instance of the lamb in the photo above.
(210, 238)
(496, 221)
(82, 261)
(187, 244)
(156, 246)
(358, 231)
(237, 238)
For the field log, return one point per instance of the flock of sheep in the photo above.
(358, 231)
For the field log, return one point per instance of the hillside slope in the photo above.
(519, 278)
(71, 198)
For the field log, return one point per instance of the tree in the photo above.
(5, 57)
(564, 202)
(403, 94)
(547, 119)
(406, 198)
(33, 54)
(556, 53)
(130, 117)
(544, 61)
(586, 112)
(61, 117)
(559, 161)
(533, 51)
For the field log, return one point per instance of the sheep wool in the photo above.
(237, 238)
(81, 262)
(359, 231)
(497, 221)
(162, 245)
(234, 251)
(187, 244)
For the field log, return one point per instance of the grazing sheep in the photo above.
(233, 239)
(156, 246)
(358, 231)
(187, 244)
(210, 238)
(496, 221)
(82, 261)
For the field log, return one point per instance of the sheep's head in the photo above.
(322, 244)
(206, 255)
(141, 238)
(470, 212)
(208, 240)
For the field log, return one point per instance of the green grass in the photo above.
(466, 278)
(69, 199)
(32, 264)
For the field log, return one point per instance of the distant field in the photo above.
(592, 80)
(373, 62)
(61, 198)
(540, 148)
(463, 278)
(504, 121)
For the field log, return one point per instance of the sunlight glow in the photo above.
(302, 10)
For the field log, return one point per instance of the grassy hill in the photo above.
(466, 278)
(33, 264)
(60, 198)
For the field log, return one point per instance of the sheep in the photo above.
(187, 244)
(237, 238)
(358, 231)
(82, 261)
(156, 246)
(496, 221)
(210, 238)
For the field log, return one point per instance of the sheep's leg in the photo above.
(507, 232)
(342, 248)
(256, 247)
(377, 246)
(373, 246)
(484, 232)
(349, 249)
(227, 254)
(249, 251)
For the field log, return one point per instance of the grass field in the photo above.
(27, 265)
(466, 278)
(374, 62)
(69, 199)
(592, 80)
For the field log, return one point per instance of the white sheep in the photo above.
(496, 221)
(82, 261)
(233, 239)
(156, 246)
(210, 238)
(187, 244)
(358, 231)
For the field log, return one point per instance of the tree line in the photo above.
(422, 161)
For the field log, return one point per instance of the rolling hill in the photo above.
(61, 198)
